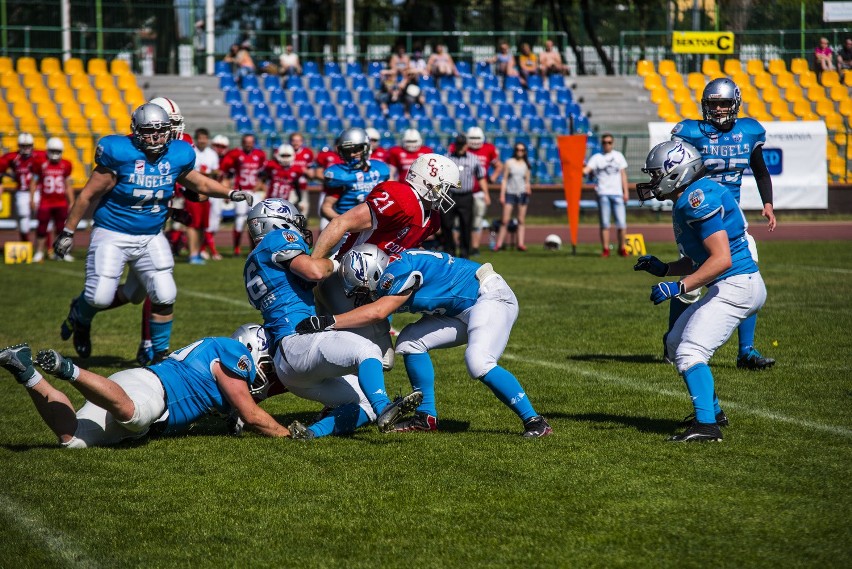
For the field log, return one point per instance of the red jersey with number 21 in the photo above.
(399, 220)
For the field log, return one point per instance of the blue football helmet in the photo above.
(720, 103)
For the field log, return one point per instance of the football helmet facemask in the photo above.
(353, 147)
(151, 128)
(276, 213)
(253, 337)
(672, 165)
(360, 270)
(433, 176)
(720, 103)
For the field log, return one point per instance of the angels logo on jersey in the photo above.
(164, 168)
(696, 198)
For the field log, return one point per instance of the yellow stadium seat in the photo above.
(793, 93)
(834, 121)
(101, 125)
(32, 80)
(63, 94)
(777, 66)
(666, 110)
(29, 124)
(801, 108)
(690, 110)
(808, 79)
(754, 67)
(763, 81)
(108, 97)
(674, 81)
(732, 67)
(829, 78)
(666, 67)
(682, 96)
(79, 81)
(839, 93)
(93, 110)
(77, 125)
(840, 138)
(847, 78)
(643, 67)
(799, 66)
(659, 94)
(845, 108)
(121, 67)
(26, 65)
(824, 107)
(6, 65)
(837, 165)
(53, 125)
(74, 66)
(128, 82)
(711, 67)
(651, 81)
(9, 80)
(98, 66)
(51, 65)
(779, 109)
(22, 108)
(56, 81)
(14, 95)
(816, 93)
(104, 82)
(87, 96)
(696, 81)
(70, 109)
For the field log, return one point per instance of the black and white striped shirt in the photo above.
(470, 171)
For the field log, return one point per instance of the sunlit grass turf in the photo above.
(604, 491)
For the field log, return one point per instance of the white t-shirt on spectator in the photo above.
(607, 170)
(206, 160)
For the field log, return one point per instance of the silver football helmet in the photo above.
(276, 213)
(672, 165)
(353, 146)
(360, 270)
(433, 176)
(720, 103)
(151, 128)
(253, 337)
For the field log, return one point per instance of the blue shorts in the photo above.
(517, 199)
(612, 205)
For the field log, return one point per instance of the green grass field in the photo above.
(604, 491)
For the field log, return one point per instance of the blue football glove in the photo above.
(663, 291)
(651, 264)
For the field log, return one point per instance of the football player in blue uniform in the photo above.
(462, 302)
(130, 188)
(710, 231)
(280, 276)
(728, 146)
(210, 375)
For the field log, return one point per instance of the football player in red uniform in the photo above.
(283, 179)
(50, 180)
(21, 164)
(402, 157)
(303, 159)
(241, 168)
(378, 152)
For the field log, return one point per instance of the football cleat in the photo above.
(54, 364)
(388, 418)
(537, 427)
(721, 419)
(754, 361)
(697, 433)
(145, 353)
(82, 334)
(18, 360)
(300, 432)
(420, 421)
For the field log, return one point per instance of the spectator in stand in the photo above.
(398, 65)
(515, 193)
(441, 64)
(50, 179)
(21, 164)
(527, 63)
(378, 152)
(304, 160)
(550, 62)
(231, 57)
(245, 63)
(844, 56)
(206, 162)
(473, 179)
(504, 62)
(220, 144)
(288, 62)
(610, 170)
(823, 56)
(418, 66)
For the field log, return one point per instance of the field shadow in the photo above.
(605, 420)
(106, 361)
(626, 358)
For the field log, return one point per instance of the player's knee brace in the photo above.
(162, 309)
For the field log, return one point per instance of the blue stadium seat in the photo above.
(417, 111)
(535, 125)
(333, 125)
(520, 96)
(283, 110)
(327, 111)
(366, 97)
(255, 96)
(563, 96)
(557, 171)
(513, 125)
(233, 96)
(372, 111)
(222, 68)
(468, 123)
(483, 68)
(238, 110)
(273, 140)
(401, 123)
(551, 153)
(541, 97)
(502, 140)
(293, 82)
(356, 122)
(468, 83)
(447, 126)
(573, 109)
(277, 96)
(289, 124)
(260, 110)
(310, 68)
(484, 111)
(431, 96)
(380, 123)
(534, 83)
(377, 84)
(353, 68)
(299, 97)
(395, 110)
(349, 111)
(491, 125)
(511, 82)
(425, 126)
(426, 82)
(454, 96)
(431, 140)
(374, 69)
(559, 125)
(321, 96)
(331, 67)
(556, 82)
(505, 111)
(475, 96)
(227, 82)
(551, 110)
(315, 82)
(243, 125)
(320, 143)
(463, 67)
(311, 125)
(266, 125)
(270, 82)
(249, 82)
(524, 138)
(498, 97)
(491, 83)
(439, 111)
(505, 151)
(337, 83)
(359, 83)
(581, 124)
(541, 173)
(306, 110)
(462, 111)
(344, 97)
(527, 110)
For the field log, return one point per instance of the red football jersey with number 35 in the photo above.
(399, 220)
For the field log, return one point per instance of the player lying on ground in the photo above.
(709, 228)
(210, 374)
(462, 302)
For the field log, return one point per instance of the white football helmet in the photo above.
(285, 154)
(432, 176)
(411, 140)
(171, 107)
(553, 242)
(373, 135)
(55, 147)
(276, 213)
(253, 337)
(672, 165)
(475, 138)
(25, 144)
(360, 270)
(220, 140)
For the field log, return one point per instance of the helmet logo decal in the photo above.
(433, 169)
(674, 157)
(359, 266)
(387, 282)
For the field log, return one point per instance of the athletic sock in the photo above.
(342, 421)
(161, 333)
(421, 374)
(372, 381)
(717, 408)
(508, 389)
(699, 383)
(745, 333)
(85, 311)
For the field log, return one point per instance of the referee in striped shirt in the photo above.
(473, 179)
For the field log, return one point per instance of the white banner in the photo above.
(837, 11)
(796, 158)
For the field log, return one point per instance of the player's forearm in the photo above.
(262, 423)
(682, 266)
(359, 317)
(77, 211)
(708, 272)
(329, 237)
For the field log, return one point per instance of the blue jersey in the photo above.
(725, 154)
(138, 204)
(187, 376)
(704, 208)
(283, 298)
(352, 186)
(442, 284)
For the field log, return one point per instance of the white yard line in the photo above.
(638, 386)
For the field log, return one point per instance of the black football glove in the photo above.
(182, 216)
(651, 264)
(314, 324)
